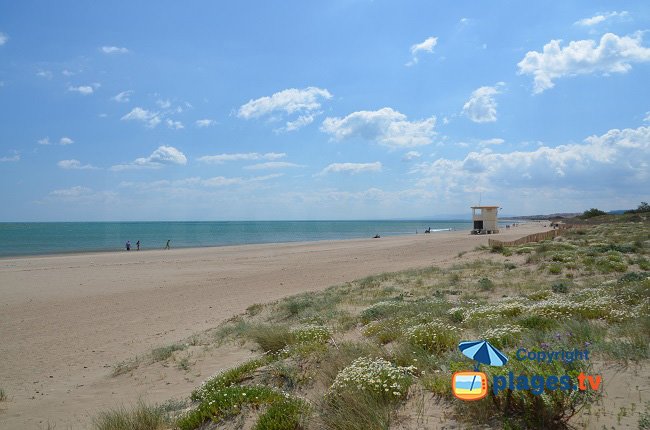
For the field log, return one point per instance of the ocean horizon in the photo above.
(42, 238)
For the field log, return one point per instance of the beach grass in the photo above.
(141, 417)
(587, 289)
(3, 395)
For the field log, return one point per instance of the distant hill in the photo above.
(547, 216)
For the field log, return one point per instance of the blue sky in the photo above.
(321, 110)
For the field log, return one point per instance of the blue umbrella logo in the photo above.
(483, 353)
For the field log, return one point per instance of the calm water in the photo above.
(64, 237)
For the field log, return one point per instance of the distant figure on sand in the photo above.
(128, 245)
(377, 236)
(167, 246)
(137, 245)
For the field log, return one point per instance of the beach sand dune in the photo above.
(66, 320)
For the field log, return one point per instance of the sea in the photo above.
(40, 238)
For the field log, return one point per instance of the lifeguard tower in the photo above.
(485, 219)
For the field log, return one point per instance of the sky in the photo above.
(355, 109)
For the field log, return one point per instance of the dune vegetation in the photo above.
(379, 353)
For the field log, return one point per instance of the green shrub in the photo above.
(375, 376)
(282, 415)
(485, 284)
(271, 337)
(226, 402)
(163, 353)
(140, 417)
(228, 378)
(555, 269)
(560, 287)
(434, 336)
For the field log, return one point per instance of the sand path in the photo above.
(65, 320)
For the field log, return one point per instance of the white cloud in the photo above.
(597, 19)
(352, 168)
(197, 182)
(426, 46)
(114, 50)
(149, 118)
(10, 158)
(618, 160)
(74, 165)
(3, 38)
(174, 125)
(71, 192)
(385, 126)
(221, 158)
(411, 155)
(647, 117)
(123, 97)
(164, 104)
(44, 141)
(84, 90)
(481, 106)
(65, 141)
(201, 123)
(489, 142)
(44, 74)
(272, 165)
(305, 102)
(300, 122)
(164, 155)
(613, 54)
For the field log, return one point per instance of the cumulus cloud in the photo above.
(305, 102)
(300, 122)
(618, 160)
(272, 165)
(43, 141)
(65, 141)
(202, 123)
(174, 125)
(114, 50)
(426, 47)
(74, 165)
(164, 155)
(10, 158)
(3, 38)
(597, 19)
(123, 97)
(411, 155)
(222, 158)
(84, 90)
(647, 117)
(613, 54)
(352, 168)
(385, 126)
(149, 118)
(481, 106)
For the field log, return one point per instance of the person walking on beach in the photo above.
(137, 245)
(128, 245)
(167, 246)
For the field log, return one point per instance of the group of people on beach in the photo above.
(137, 244)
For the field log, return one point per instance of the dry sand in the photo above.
(66, 320)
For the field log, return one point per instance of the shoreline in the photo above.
(298, 241)
(67, 319)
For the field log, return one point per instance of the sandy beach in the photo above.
(66, 320)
